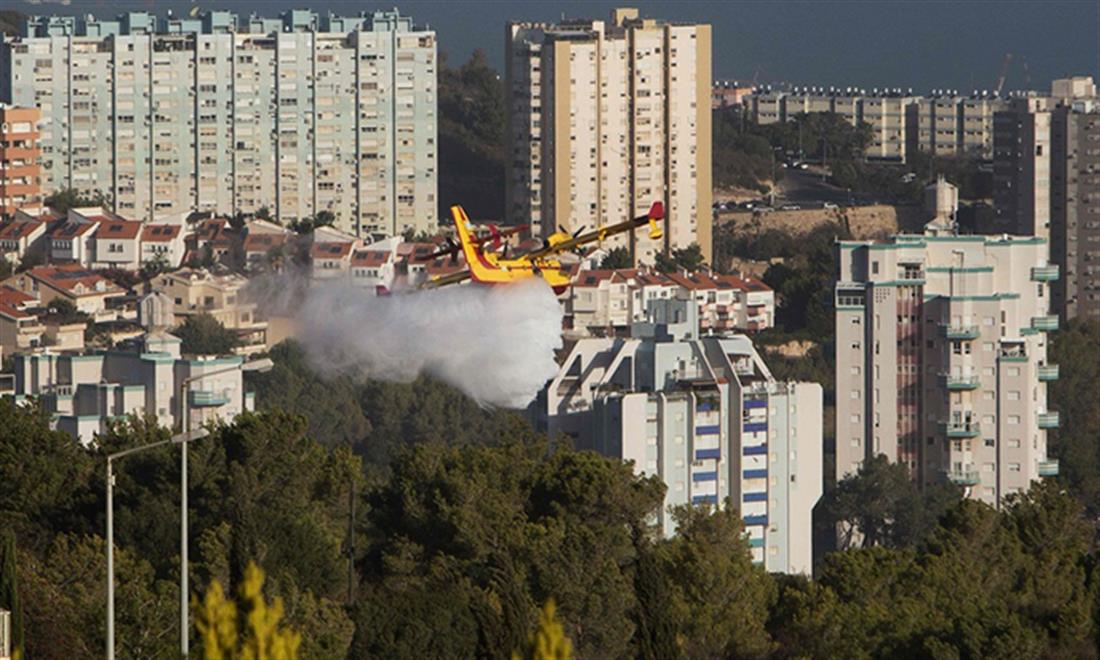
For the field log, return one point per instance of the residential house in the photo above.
(21, 237)
(212, 237)
(117, 245)
(72, 240)
(331, 260)
(373, 270)
(162, 242)
(87, 290)
(20, 329)
(197, 291)
(260, 246)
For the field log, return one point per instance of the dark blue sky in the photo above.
(920, 44)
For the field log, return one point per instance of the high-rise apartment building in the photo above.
(941, 358)
(1047, 183)
(705, 415)
(20, 171)
(1021, 167)
(604, 118)
(302, 114)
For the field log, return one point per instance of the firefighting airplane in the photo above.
(485, 266)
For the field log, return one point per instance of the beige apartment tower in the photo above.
(604, 119)
(941, 359)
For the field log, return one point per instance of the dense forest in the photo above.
(402, 521)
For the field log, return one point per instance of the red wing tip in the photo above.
(657, 211)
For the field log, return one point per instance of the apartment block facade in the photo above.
(604, 118)
(941, 359)
(300, 114)
(84, 393)
(705, 415)
(947, 125)
(20, 171)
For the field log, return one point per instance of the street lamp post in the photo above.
(183, 439)
(263, 364)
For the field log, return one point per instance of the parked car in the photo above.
(790, 207)
(828, 205)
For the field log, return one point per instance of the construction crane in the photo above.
(1004, 72)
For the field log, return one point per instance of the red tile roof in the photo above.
(18, 229)
(71, 229)
(443, 266)
(117, 229)
(159, 233)
(67, 277)
(263, 242)
(11, 312)
(371, 258)
(588, 278)
(330, 250)
(15, 298)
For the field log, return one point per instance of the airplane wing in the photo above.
(443, 280)
(656, 212)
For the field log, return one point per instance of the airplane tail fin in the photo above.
(656, 212)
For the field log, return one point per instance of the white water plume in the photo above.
(496, 344)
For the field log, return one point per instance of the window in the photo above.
(1013, 467)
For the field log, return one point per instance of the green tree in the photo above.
(70, 198)
(9, 588)
(65, 311)
(655, 629)
(880, 505)
(617, 258)
(1076, 349)
(44, 476)
(153, 267)
(331, 405)
(471, 137)
(719, 599)
(64, 596)
(202, 334)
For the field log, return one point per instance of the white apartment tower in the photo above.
(705, 415)
(302, 114)
(606, 118)
(941, 358)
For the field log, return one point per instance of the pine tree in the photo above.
(9, 589)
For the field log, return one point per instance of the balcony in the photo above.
(1044, 322)
(1048, 420)
(1048, 468)
(1048, 372)
(201, 399)
(964, 477)
(958, 383)
(962, 331)
(1044, 273)
(962, 429)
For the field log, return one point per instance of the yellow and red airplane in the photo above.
(487, 267)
